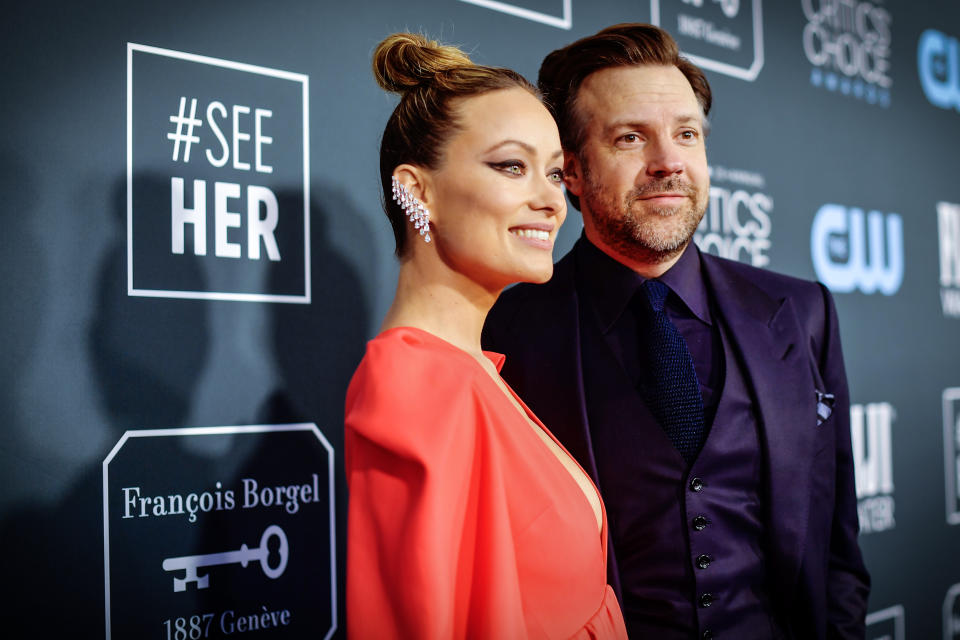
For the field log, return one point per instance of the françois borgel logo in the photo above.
(217, 179)
(872, 440)
(951, 452)
(948, 225)
(725, 36)
(737, 223)
(848, 44)
(207, 546)
(938, 64)
(853, 250)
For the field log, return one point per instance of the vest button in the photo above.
(708, 635)
(703, 561)
(700, 523)
(706, 600)
(696, 485)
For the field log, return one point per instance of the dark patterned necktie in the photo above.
(670, 385)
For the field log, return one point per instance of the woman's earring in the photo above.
(418, 214)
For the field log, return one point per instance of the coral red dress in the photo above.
(462, 523)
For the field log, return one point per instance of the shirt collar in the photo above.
(611, 285)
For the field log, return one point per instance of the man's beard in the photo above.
(635, 230)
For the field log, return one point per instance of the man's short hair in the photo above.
(622, 45)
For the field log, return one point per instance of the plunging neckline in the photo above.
(497, 359)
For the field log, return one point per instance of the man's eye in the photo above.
(689, 134)
(630, 138)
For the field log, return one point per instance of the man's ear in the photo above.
(573, 173)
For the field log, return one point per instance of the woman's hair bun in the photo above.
(404, 61)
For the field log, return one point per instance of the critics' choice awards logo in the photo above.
(948, 225)
(938, 64)
(848, 44)
(205, 547)
(951, 452)
(725, 36)
(737, 222)
(852, 249)
(871, 434)
(886, 624)
(217, 179)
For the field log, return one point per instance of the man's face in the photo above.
(641, 172)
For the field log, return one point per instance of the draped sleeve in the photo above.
(423, 499)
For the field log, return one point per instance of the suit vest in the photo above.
(689, 543)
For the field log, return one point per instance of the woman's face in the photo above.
(496, 201)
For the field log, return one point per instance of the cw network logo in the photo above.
(871, 434)
(948, 224)
(848, 44)
(852, 250)
(938, 64)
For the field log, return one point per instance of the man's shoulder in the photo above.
(776, 285)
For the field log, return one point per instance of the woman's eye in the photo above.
(512, 167)
(556, 176)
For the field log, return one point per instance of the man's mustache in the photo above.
(672, 184)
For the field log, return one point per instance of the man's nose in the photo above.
(664, 158)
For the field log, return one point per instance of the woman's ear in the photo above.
(419, 182)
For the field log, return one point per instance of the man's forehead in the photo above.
(635, 85)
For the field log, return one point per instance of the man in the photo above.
(707, 398)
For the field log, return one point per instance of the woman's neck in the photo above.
(443, 302)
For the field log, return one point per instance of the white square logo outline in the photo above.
(951, 396)
(564, 22)
(237, 66)
(749, 74)
(207, 431)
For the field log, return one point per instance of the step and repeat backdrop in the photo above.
(194, 255)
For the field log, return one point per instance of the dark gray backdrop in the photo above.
(83, 361)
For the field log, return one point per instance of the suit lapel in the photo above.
(770, 342)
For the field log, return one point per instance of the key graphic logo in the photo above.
(856, 250)
(217, 179)
(938, 64)
(725, 36)
(211, 531)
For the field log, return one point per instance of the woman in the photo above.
(466, 517)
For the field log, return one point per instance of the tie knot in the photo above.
(655, 292)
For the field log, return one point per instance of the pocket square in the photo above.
(824, 405)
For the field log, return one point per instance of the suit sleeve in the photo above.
(417, 520)
(848, 583)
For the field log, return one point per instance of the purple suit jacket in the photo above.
(786, 331)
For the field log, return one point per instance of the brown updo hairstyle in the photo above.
(430, 78)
